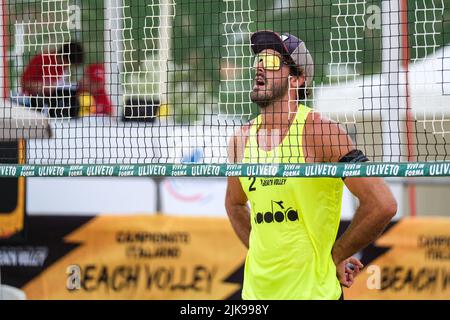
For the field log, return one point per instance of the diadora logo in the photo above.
(278, 214)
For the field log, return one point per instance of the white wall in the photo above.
(87, 196)
(180, 196)
(194, 196)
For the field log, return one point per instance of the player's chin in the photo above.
(259, 96)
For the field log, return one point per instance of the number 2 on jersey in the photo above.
(251, 187)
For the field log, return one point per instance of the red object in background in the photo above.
(5, 22)
(95, 74)
(43, 68)
(102, 103)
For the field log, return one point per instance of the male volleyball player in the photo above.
(291, 226)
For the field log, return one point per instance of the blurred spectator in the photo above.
(45, 83)
(93, 84)
(46, 71)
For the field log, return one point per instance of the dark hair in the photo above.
(302, 92)
(73, 52)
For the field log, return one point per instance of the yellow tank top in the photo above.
(294, 225)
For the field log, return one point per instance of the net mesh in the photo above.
(170, 82)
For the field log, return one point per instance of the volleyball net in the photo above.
(158, 87)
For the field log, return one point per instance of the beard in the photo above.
(263, 96)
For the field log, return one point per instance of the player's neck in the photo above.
(278, 114)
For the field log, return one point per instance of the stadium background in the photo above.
(64, 214)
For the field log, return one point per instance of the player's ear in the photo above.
(296, 81)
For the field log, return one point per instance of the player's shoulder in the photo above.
(318, 123)
(243, 129)
(238, 141)
(326, 140)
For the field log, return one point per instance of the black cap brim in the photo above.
(268, 39)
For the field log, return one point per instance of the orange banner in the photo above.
(143, 257)
(415, 266)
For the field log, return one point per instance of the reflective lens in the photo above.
(270, 61)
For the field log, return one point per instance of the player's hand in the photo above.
(347, 270)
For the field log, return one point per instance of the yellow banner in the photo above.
(416, 265)
(141, 257)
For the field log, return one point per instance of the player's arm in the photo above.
(238, 210)
(235, 199)
(329, 142)
(377, 205)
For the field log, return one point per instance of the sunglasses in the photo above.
(270, 62)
